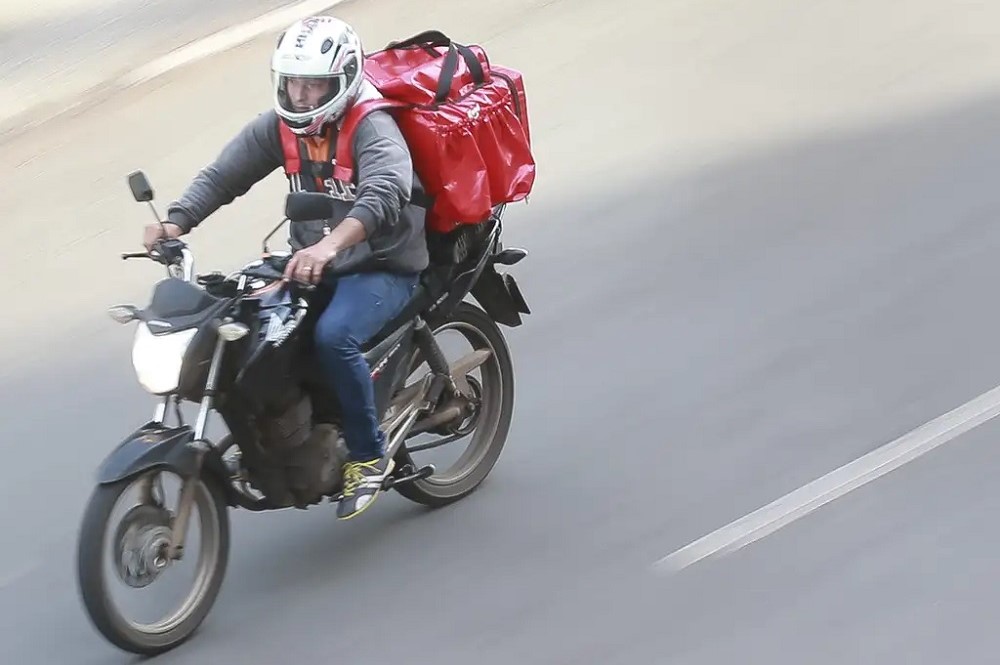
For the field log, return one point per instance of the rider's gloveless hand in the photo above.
(155, 232)
(307, 264)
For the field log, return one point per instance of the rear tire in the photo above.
(437, 491)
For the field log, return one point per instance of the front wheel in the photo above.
(136, 548)
(489, 425)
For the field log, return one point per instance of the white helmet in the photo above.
(317, 51)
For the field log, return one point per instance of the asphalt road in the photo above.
(762, 243)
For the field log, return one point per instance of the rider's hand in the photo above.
(154, 232)
(307, 264)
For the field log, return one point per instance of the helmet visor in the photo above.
(304, 94)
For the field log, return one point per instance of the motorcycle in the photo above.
(239, 345)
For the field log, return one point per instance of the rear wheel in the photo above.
(484, 432)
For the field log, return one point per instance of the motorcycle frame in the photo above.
(187, 452)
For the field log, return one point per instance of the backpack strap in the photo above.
(344, 170)
(290, 149)
(300, 168)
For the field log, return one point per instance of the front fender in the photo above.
(154, 446)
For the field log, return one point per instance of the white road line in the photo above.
(226, 39)
(806, 499)
(29, 118)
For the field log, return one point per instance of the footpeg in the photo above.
(407, 475)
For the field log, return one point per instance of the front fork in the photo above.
(199, 445)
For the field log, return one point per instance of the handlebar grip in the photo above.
(268, 273)
(262, 272)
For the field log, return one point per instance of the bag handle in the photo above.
(427, 37)
(450, 67)
(432, 38)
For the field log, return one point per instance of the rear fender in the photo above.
(152, 447)
(500, 297)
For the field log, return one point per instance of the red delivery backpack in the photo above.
(464, 119)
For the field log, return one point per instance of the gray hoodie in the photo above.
(381, 200)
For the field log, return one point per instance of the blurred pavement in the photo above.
(763, 243)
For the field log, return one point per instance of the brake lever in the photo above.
(152, 256)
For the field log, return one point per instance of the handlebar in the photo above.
(175, 255)
(172, 253)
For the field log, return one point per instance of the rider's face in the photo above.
(305, 94)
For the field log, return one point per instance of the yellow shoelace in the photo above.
(353, 476)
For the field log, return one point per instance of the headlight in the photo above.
(157, 359)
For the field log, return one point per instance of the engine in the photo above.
(306, 458)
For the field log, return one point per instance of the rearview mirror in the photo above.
(308, 206)
(142, 191)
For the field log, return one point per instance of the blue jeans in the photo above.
(362, 304)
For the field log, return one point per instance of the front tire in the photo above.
(164, 635)
(497, 392)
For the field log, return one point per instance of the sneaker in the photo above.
(362, 483)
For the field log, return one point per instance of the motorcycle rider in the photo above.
(370, 253)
